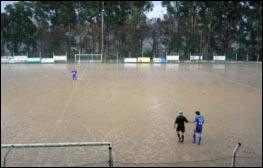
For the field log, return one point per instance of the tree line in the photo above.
(198, 27)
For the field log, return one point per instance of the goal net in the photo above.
(88, 57)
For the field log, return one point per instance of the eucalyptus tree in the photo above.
(126, 22)
(209, 26)
(181, 27)
(251, 26)
(4, 32)
(18, 29)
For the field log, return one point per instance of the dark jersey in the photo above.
(180, 121)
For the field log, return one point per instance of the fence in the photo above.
(234, 161)
(188, 57)
(255, 161)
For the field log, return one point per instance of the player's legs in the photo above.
(199, 139)
(179, 137)
(194, 136)
(199, 131)
(182, 137)
(182, 132)
(180, 129)
(74, 77)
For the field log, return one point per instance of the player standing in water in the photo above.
(74, 74)
(180, 120)
(199, 120)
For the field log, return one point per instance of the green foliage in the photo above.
(17, 27)
(221, 27)
(189, 26)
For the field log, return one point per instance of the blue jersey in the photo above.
(74, 72)
(199, 121)
(199, 124)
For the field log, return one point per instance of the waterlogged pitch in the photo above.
(134, 107)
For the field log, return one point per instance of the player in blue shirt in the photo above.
(74, 74)
(199, 120)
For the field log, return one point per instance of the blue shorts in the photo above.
(198, 130)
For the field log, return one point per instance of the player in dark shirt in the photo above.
(180, 120)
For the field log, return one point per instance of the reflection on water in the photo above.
(132, 65)
(144, 65)
(219, 66)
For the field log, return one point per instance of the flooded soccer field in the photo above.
(134, 107)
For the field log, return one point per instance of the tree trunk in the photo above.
(209, 34)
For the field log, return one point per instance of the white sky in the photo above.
(158, 10)
(4, 3)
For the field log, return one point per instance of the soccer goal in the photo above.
(88, 57)
(73, 154)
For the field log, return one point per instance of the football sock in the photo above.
(179, 136)
(199, 140)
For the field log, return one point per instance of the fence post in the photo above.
(258, 58)
(110, 156)
(247, 57)
(6, 156)
(236, 57)
(234, 155)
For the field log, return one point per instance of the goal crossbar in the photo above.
(35, 145)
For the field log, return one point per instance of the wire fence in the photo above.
(96, 158)
(244, 161)
(220, 162)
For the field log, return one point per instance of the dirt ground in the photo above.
(134, 107)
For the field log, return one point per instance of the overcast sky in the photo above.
(158, 10)
(4, 3)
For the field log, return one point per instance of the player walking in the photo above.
(199, 120)
(180, 120)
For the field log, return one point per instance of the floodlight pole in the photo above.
(201, 42)
(102, 31)
(79, 27)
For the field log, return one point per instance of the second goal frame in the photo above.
(91, 56)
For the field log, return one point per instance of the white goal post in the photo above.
(88, 57)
